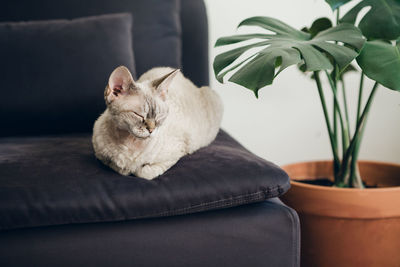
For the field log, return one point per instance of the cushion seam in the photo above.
(258, 196)
(233, 201)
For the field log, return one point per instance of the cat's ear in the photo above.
(162, 84)
(119, 83)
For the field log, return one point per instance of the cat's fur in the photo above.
(151, 123)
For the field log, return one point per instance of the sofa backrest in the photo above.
(189, 52)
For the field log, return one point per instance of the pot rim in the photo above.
(350, 190)
(348, 203)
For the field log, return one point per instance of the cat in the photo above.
(149, 124)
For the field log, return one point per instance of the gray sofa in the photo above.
(59, 206)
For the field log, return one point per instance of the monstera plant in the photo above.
(324, 49)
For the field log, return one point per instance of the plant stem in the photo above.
(345, 132)
(335, 124)
(360, 92)
(357, 135)
(337, 16)
(335, 114)
(335, 107)
(354, 173)
(355, 178)
(336, 161)
(346, 109)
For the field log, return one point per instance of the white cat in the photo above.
(151, 123)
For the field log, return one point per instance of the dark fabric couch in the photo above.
(59, 206)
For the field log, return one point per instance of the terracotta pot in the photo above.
(345, 226)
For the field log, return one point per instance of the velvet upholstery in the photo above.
(53, 73)
(59, 206)
(195, 41)
(258, 235)
(156, 24)
(57, 180)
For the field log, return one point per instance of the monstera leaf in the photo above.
(318, 26)
(382, 21)
(380, 61)
(336, 3)
(288, 46)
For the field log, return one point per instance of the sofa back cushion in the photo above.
(53, 73)
(156, 28)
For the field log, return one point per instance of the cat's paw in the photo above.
(124, 172)
(149, 172)
(119, 169)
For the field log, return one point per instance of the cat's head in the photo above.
(139, 108)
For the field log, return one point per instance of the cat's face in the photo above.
(139, 108)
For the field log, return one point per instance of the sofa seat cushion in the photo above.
(57, 180)
(261, 234)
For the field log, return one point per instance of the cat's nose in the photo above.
(150, 125)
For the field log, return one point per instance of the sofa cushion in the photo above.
(261, 234)
(53, 73)
(156, 31)
(57, 180)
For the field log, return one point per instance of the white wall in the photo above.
(286, 123)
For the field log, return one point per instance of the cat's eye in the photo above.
(138, 115)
